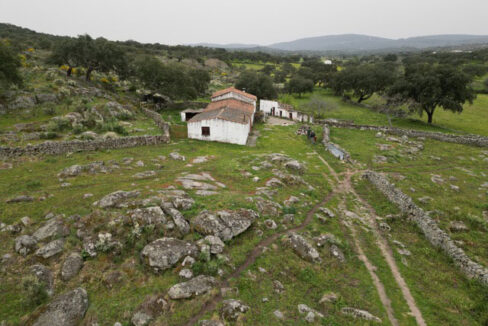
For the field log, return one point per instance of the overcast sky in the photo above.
(246, 21)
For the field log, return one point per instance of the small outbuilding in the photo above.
(286, 111)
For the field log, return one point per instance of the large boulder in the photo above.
(67, 309)
(116, 199)
(25, 244)
(164, 253)
(358, 313)
(71, 266)
(224, 224)
(267, 207)
(194, 287)
(53, 228)
(302, 248)
(52, 248)
(153, 215)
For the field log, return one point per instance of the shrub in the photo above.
(49, 135)
(50, 110)
(35, 292)
(59, 125)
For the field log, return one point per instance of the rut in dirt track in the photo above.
(211, 304)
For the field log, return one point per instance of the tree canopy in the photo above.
(431, 86)
(173, 80)
(364, 80)
(257, 84)
(299, 85)
(9, 66)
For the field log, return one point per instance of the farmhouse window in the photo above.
(205, 131)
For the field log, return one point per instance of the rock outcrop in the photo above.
(164, 253)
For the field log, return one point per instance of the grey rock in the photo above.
(458, 226)
(71, 266)
(210, 323)
(164, 253)
(183, 203)
(67, 309)
(177, 156)
(303, 249)
(224, 224)
(52, 248)
(179, 220)
(194, 287)
(231, 309)
(145, 174)
(270, 224)
(185, 273)
(358, 313)
(329, 297)
(46, 98)
(25, 244)
(153, 215)
(278, 314)
(53, 228)
(337, 253)
(295, 166)
(216, 246)
(141, 319)
(20, 199)
(267, 207)
(116, 199)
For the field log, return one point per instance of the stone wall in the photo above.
(62, 147)
(473, 140)
(162, 125)
(429, 227)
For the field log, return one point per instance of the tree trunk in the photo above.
(69, 71)
(88, 73)
(429, 116)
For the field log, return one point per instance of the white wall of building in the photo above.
(266, 106)
(220, 130)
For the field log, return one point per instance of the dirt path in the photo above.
(345, 187)
(212, 303)
(388, 255)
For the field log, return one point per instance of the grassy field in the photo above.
(473, 119)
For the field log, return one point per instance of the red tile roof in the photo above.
(248, 108)
(234, 90)
(223, 113)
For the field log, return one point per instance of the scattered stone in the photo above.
(71, 171)
(295, 166)
(278, 314)
(311, 313)
(164, 253)
(145, 174)
(206, 193)
(216, 246)
(291, 200)
(278, 286)
(194, 287)
(52, 248)
(380, 159)
(25, 244)
(186, 273)
(329, 297)
(20, 199)
(458, 226)
(327, 212)
(267, 207)
(224, 224)
(26, 221)
(71, 266)
(337, 253)
(435, 178)
(425, 199)
(148, 216)
(200, 159)
(177, 156)
(86, 196)
(210, 323)
(140, 164)
(183, 203)
(362, 314)
(116, 199)
(178, 219)
(303, 249)
(188, 261)
(231, 309)
(67, 309)
(141, 319)
(270, 224)
(385, 227)
(454, 187)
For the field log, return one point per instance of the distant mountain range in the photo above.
(360, 43)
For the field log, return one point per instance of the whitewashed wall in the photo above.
(266, 106)
(220, 130)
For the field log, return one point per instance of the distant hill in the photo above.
(361, 43)
(227, 46)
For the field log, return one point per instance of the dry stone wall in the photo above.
(62, 147)
(162, 125)
(473, 140)
(429, 227)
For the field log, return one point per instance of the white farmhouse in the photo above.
(228, 118)
(282, 110)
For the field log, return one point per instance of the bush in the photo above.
(35, 292)
(49, 135)
(112, 126)
(59, 125)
